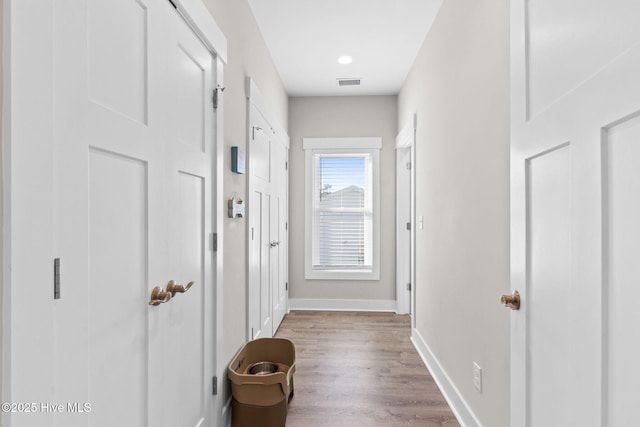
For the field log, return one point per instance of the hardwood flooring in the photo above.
(359, 369)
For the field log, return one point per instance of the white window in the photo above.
(342, 208)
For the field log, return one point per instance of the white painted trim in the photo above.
(458, 405)
(364, 143)
(406, 136)
(405, 142)
(342, 304)
(203, 24)
(220, 207)
(226, 413)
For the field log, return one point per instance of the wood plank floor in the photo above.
(359, 369)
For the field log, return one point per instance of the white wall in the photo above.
(247, 56)
(459, 88)
(1, 192)
(344, 116)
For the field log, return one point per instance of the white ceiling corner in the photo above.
(306, 37)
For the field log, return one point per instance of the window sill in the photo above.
(342, 275)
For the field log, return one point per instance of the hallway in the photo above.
(359, 369)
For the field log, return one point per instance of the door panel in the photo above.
(621, 270)
(266, 311)
(191, 96)
(549, 287)
(117, 73)
(186, 319)
(278, 264)
(260, 148)
(255, 264)
(118, 278)
(569, 44)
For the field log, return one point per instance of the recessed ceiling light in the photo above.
(345, 59)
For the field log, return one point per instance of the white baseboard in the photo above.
(342, 304)
(458, 405)
(226, 413)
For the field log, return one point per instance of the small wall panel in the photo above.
(548, 286)
(185, 328)
(117, 52)
(260, 147)
(621, 339)
(190, 94)
(570, 40)
(117, 289)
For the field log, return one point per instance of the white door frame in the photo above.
(28, 139)
(406, 141)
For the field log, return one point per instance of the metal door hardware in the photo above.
(511, 301)
(56, 278)
(174, 288)
(159, 296)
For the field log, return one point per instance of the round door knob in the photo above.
(512, 301)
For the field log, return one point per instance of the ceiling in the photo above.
(306, 37)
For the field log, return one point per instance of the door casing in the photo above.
(405, 210)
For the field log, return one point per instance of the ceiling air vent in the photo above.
(348, 82)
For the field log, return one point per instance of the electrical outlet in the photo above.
(477, 376)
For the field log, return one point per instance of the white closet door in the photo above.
(132, 187)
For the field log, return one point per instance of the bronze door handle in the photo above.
(511, 301)
(174, 288)
(159, 296)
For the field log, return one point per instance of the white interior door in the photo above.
(133, 183)
(403, 230)
(267, 216)
(259, 210)
(188, 327)
(278, 239)
(575, 202)
(405, 227)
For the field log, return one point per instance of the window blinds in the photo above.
(342, 211)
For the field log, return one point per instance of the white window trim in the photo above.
(312, 146)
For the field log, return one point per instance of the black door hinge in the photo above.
(214, 238)
(215, 386)
(56, 278)
(215, 96)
